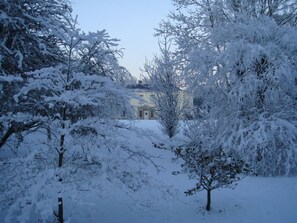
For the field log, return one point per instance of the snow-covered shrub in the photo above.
(212, 169)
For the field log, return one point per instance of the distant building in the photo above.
(143, 101)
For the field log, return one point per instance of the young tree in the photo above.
(78, 91)
(165, 81)
(240, 60)
(212, 168)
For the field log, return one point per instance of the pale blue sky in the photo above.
(131, 21)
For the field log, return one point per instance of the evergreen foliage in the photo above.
(212, 168)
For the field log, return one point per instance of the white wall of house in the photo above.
(145, 108)
(143, 104)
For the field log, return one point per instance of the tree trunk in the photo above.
(60, 199)
(60, 208)
(208, 200)
(60, 163)
(61, 151)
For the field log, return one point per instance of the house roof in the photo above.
(139, 86)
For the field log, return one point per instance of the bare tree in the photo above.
(165, 81)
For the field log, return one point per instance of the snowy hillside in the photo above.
(160, 197)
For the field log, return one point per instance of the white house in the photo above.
(143, 101)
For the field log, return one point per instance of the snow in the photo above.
(162, 199)
(254, 200)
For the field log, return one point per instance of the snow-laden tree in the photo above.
(165, 80)
(79, 96)
(30, 33)
(212, 169)
(30, 36)
(78, 101)
(240, 59)
(79, 105)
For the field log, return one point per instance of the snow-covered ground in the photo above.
(255, 199)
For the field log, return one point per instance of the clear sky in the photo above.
(131, 21)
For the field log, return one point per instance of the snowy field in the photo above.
(255, 199)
